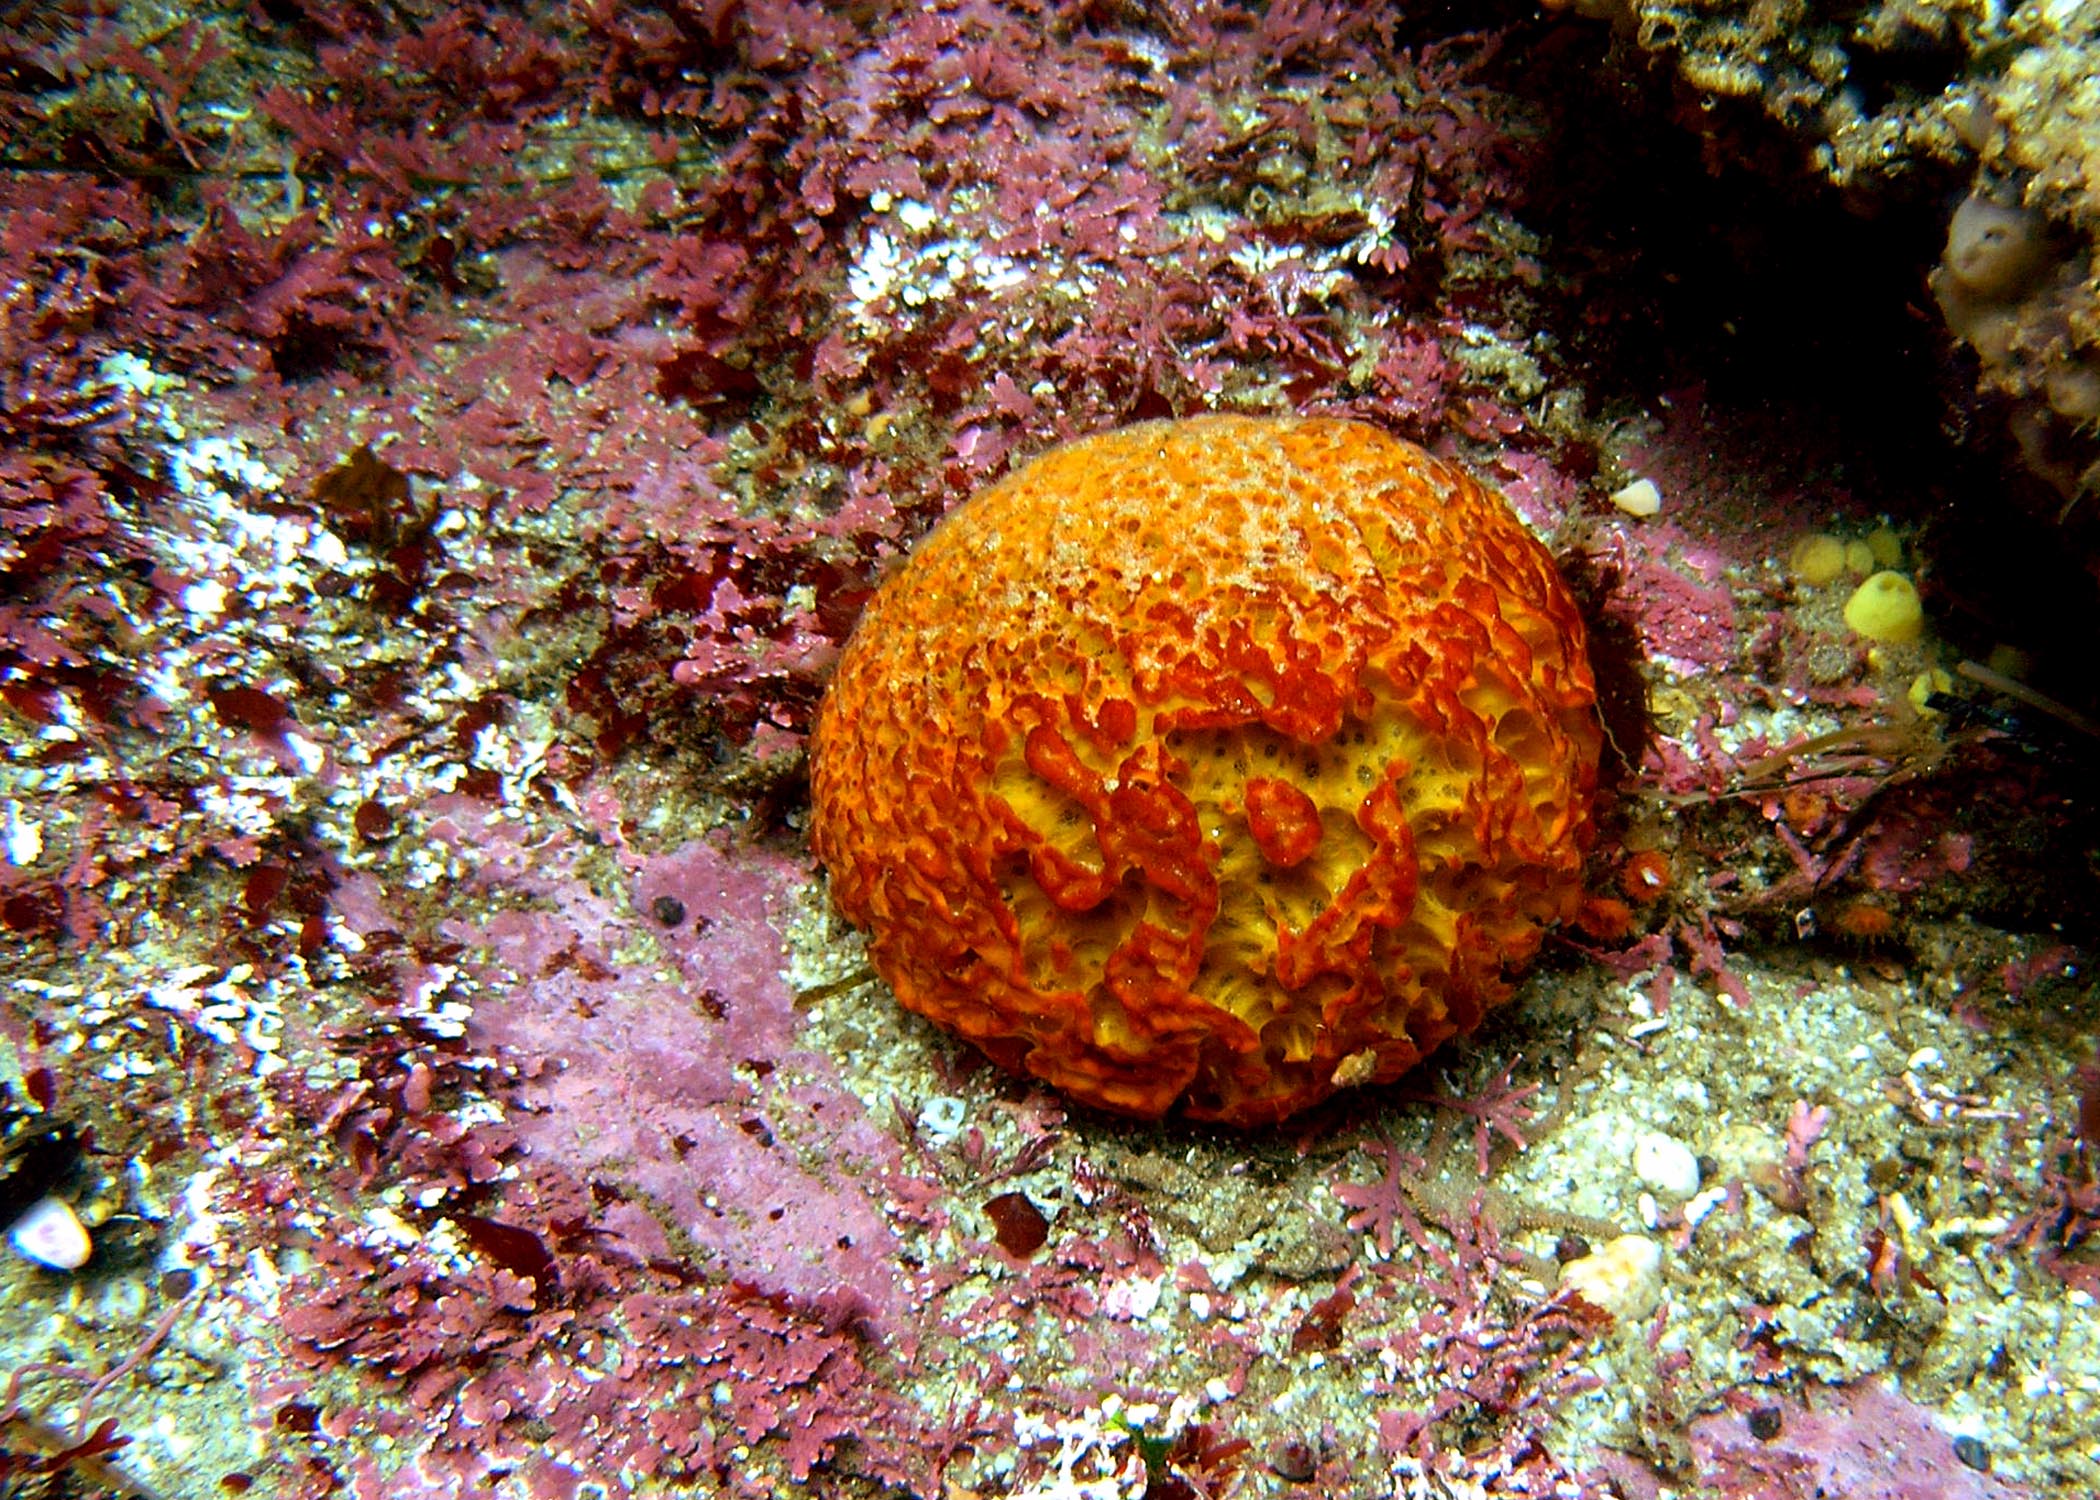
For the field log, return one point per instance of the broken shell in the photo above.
(1624, 1277)
(1641, 498)
(51, 1234)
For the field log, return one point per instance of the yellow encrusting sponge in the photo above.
(1885, 608)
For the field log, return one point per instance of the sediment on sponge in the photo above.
(1220, 763)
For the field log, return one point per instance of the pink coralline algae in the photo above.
(1865, 1442)
(676, 1091)
(1480, 1353)
(674, 1217)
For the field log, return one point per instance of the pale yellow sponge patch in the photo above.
(1623, 1277)
(1816, 559)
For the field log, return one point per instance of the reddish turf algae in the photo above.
(1220, 764)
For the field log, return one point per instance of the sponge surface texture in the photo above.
(1219, 764)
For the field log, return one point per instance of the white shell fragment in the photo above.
(51, 1234)
(1667, 1165)
(1641, 498)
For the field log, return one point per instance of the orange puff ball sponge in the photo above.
(1225, 762)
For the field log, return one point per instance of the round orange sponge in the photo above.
(1228, 761)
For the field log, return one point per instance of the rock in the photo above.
(1666, 1165)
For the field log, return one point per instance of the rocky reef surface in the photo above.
(443, 448)
(1984, 109)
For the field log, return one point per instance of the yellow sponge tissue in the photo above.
(1885, 608)
(1925, 685)
(1816, 559)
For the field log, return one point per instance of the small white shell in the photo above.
(51, 1234)
(1641, 498)
(1666, 1164)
